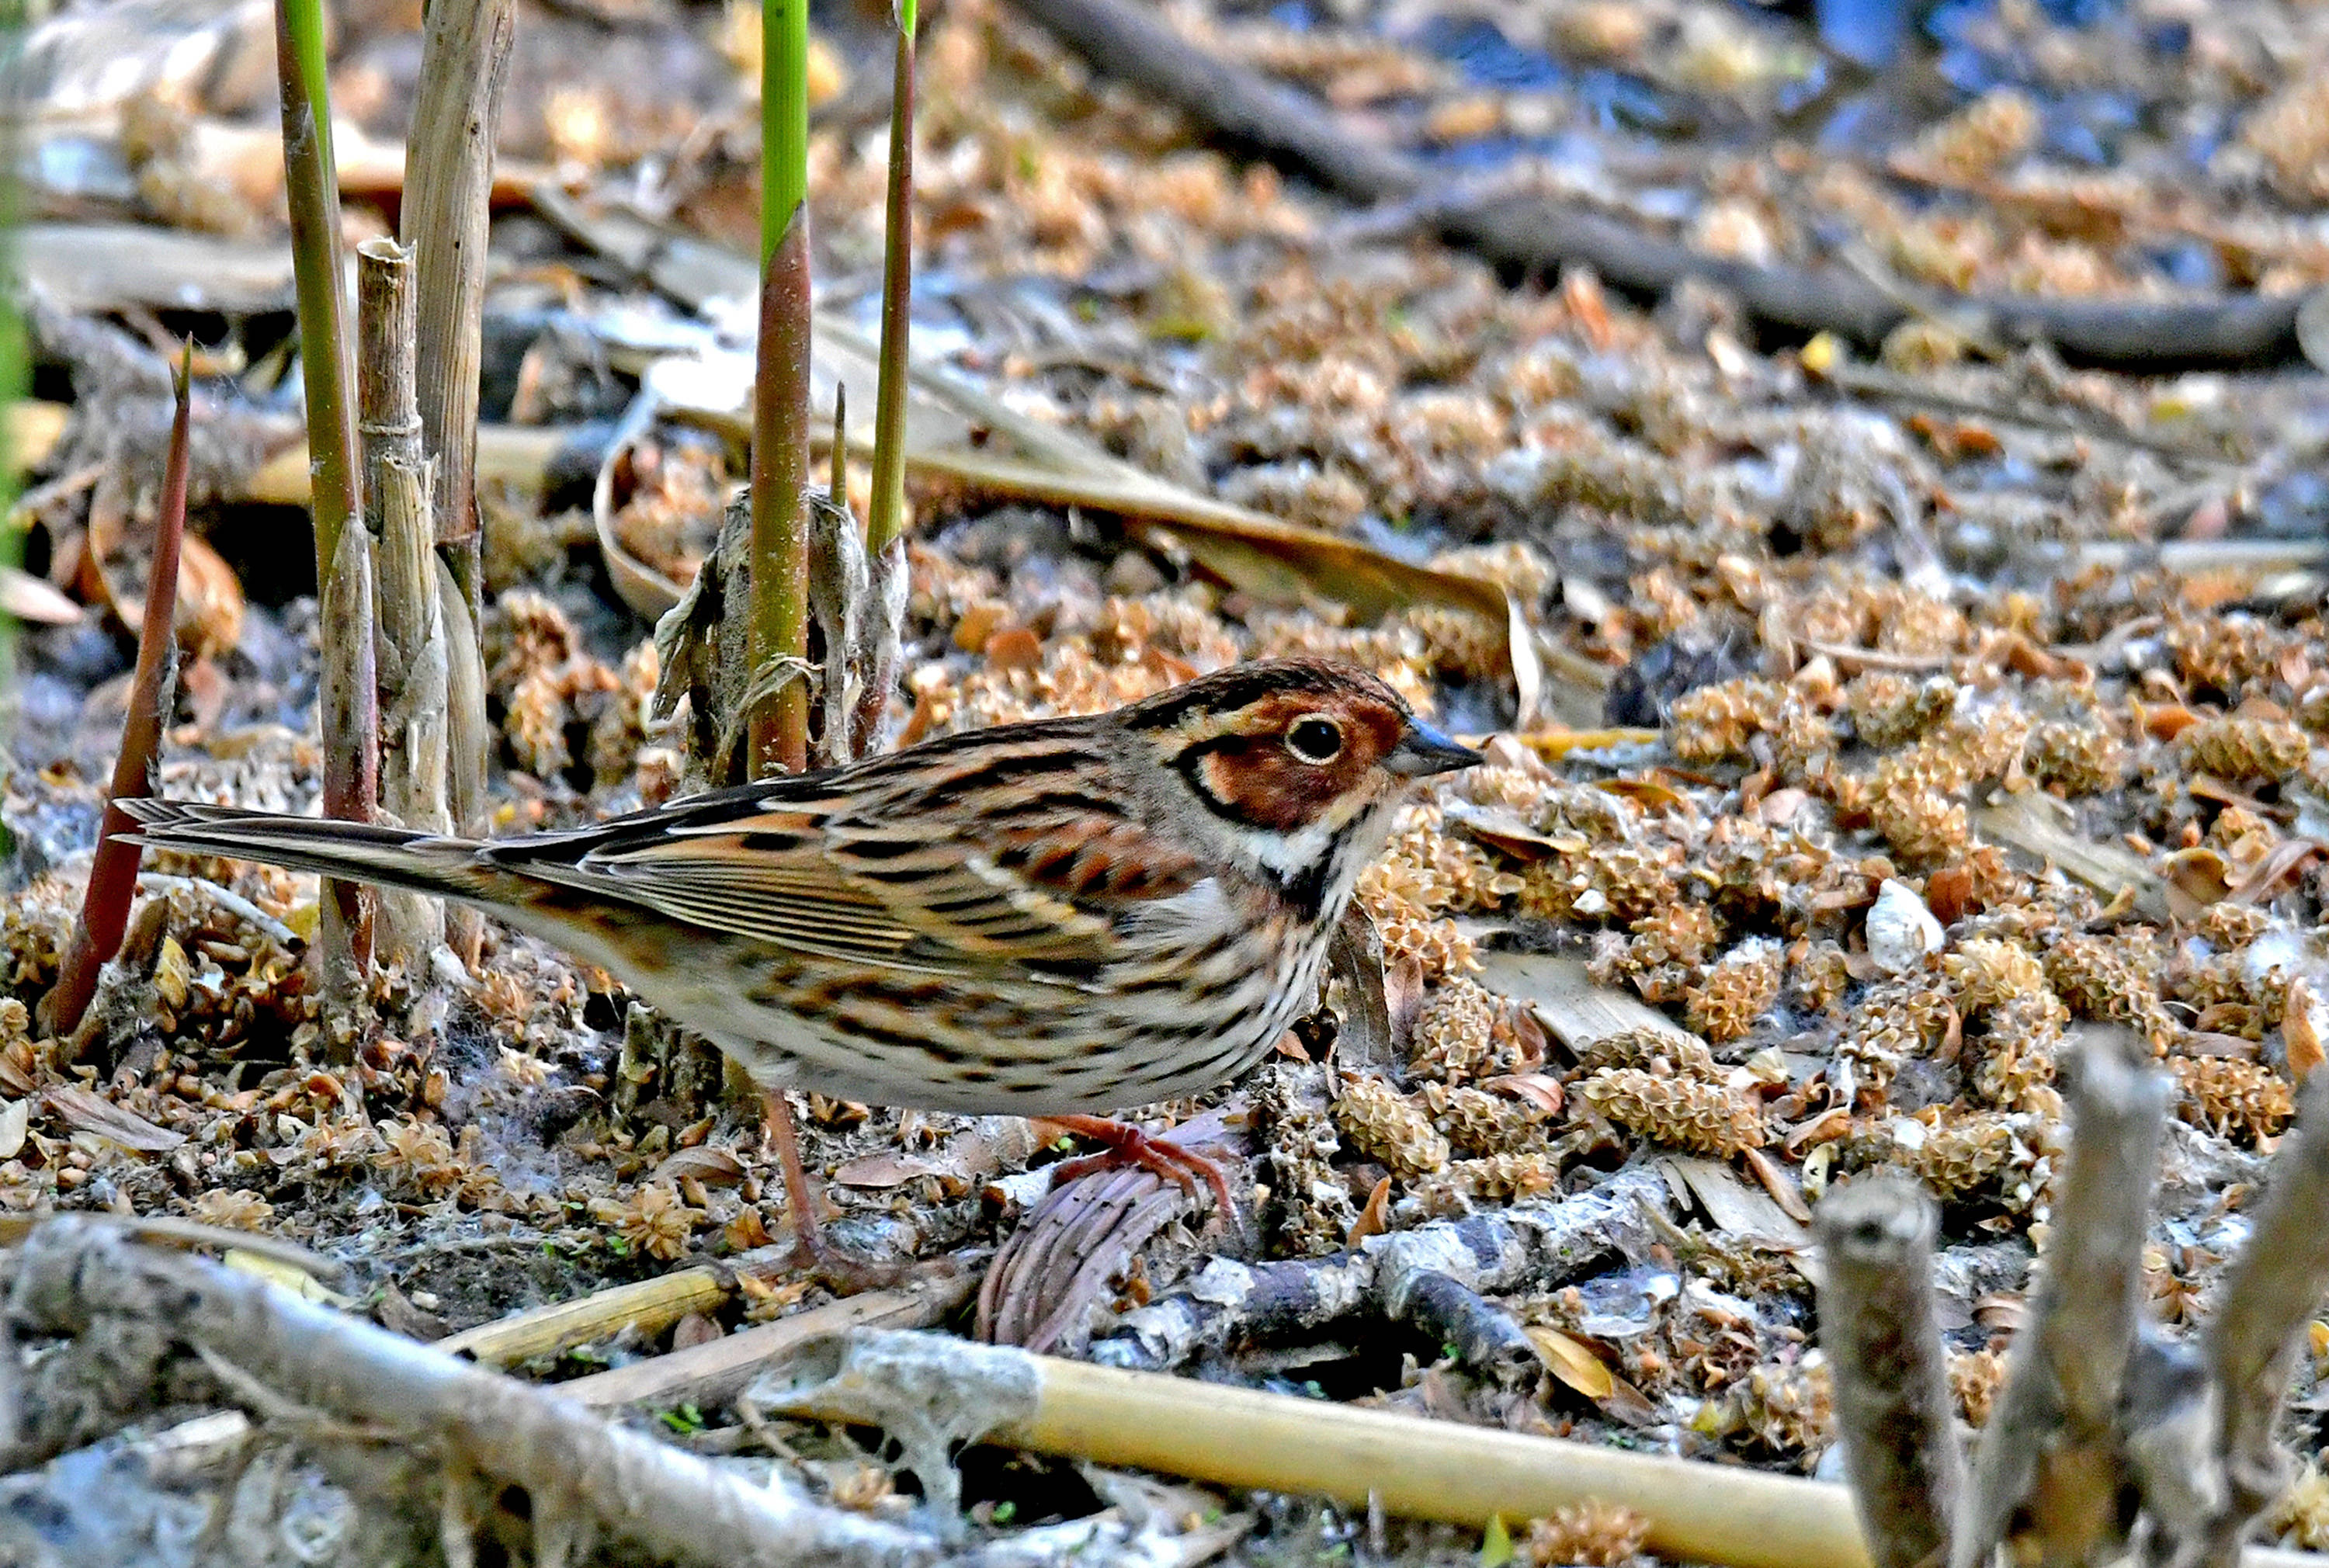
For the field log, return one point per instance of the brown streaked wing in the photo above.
(1018, 851)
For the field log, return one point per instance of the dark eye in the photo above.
(1315, 739)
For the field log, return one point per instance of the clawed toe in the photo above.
(1129, 1145)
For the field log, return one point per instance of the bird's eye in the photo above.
(1315, 739)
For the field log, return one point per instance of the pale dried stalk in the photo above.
(349, 708)
(2255, 1336)
(410, 625)
(927, 1391)
(465, 55)
(2056, 1432)
(1892, 1399)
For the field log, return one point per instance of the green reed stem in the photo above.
(313, 182)
(777, 723)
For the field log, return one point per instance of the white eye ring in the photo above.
(1315, 738)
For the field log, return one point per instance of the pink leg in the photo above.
(1129, 1145)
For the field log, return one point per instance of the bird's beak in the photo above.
(1424, 750)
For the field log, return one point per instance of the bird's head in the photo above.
(1295, 764)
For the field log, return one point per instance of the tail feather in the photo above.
(358, 851)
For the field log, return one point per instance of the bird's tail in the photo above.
(450, 868)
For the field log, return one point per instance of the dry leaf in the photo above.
(1780, 1185)
(16, 1121)
(83, 1112)
(1572, 1363)
(2004, 1309)
(2195, 879)
(1541, 1090)
(1375, 1218)
(2301, 1029)
(701, 1163)
(29, 599)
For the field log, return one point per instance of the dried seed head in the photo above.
(1736, 991)
(1895, 1020)
(1988, 972)
(1675, 933)
(1652, 1050)
(2017, 1051)
(1975, 1381)
(2223, 653)
(1591, 1535)
(1819, 977)
(1379, 1121)
(2233, 1097)
(1455, 1038)
(1697, 1114)
(1479, 1122)
(1501, 1177)
(2114, 980)
(1891, 709)
(2231, 926)
(2247, 750)
(2082, 756)
(1312, 1209)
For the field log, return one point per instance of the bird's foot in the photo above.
(1129, 1145)
(836, 1267)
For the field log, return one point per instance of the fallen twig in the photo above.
(714, 1372)
(582, 1474)
(1133, 43)
(1527, 1245)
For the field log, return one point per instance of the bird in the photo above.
(1058, 918)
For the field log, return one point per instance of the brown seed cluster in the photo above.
(2248, 750)
(2080, 756)
(1478, 1122)
(1593, 1535)
(1381, 1122)
(1310, 1204)
(1891, 709)
(2114, 979)
(1698, 1114)
(1460, 1035)
(2233, 1097)
(1736, 991)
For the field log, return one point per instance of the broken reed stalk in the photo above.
(464, 54)
(1892, 1400)
(409, 619)
(113, 874)
(2252, 1345)
(344, 936)
(2055, 1427)
(776, 696)
(885, 519)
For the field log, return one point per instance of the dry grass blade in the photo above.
(2028, 822)
(113, 875)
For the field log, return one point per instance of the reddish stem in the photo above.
(113, 875)
(778, 724)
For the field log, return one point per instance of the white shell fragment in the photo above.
(1900, 930)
